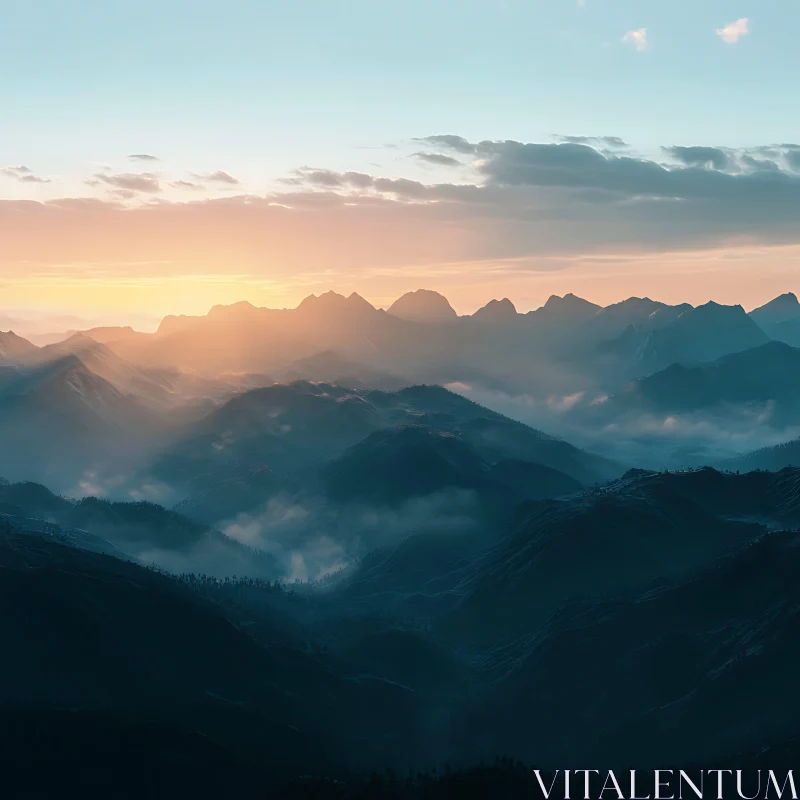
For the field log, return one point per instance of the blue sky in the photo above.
(266, 86)
(258, 90)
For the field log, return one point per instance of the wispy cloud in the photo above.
(731, 33)
(23, 174)
(604, 141)
(186, 185)
(127, 182)
(220, 176)
(438, 159)
(142, 157)
(638, 39)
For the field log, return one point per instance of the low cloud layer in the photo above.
(311, 540)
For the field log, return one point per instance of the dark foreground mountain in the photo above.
(140, 531)
(651, 622)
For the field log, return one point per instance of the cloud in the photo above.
(127, 182)
(607, 141)
(793, 158)
(142, 157)
(186, 185)
(731, 33)
(518, 207)
(638, 39)
(438, 159)
(23, 174)
(219, 177)
(310, 539)
(700, 156)
(457, 143)
(34, 179)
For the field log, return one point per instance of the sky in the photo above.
(164, 156)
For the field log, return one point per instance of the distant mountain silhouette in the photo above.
(283, 434)
(497, 311)
(623, 328)
(782, 308)
(774, 458)
(780, 318)
(769, 374)
(702, 334)
(423, 305)
(58, 418)
(102, 334)
(569, 306)
(151, 387)
(110, 333)
(14, 349)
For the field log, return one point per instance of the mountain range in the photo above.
(625, 380)
(294, 547)
(304, 438)
(619, 624)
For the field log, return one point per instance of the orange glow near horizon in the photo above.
(90, 257)
(748, 276)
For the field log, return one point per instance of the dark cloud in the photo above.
(793, 158)
(128, 182)
(142, 157)
(572, 197)
(749, 162)
(438, 159)
(700, 156)
(598, 177)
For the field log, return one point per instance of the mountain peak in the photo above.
(496, 311)
(238, 310)
(712, 308)
(79, 339)
(173, 323)
(14, 348)
(569, 304)
(333, 301)
(356, 300)
(423, 305)
(782, 308)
